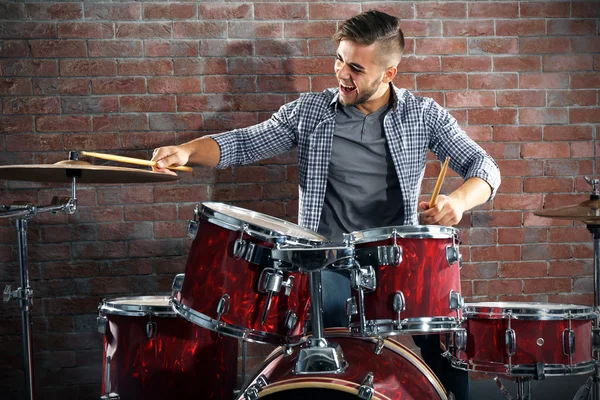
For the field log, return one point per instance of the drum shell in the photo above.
(398, 373)
(177, 362)
(211, 271)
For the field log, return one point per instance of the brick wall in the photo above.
(522, 78)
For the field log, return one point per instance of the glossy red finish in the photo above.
(182, 361)
(212, 271)
(424, 277)
(486, 341)
(398, 373)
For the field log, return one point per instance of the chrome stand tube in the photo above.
(595, 389)
(25, 304)
(317, 306)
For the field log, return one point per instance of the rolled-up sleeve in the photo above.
(467, 158)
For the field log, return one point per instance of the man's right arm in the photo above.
(202, 151)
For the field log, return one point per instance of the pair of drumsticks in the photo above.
(439, 182)
(131, 160)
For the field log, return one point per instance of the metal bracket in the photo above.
(453, 255)
(291, 319)
(351, 307)
(366, 391)
(101, 322)
(455, 300)
(271, 280)
(177, 284)
(460, 339)
(364, 278)
(252, 392)
(379, 346)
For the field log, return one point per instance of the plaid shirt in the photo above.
(412, 126)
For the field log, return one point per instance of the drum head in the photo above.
(527, 311)
(137, 306)
(264, 227)
(413, 232)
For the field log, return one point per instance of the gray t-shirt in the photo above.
(363, 191)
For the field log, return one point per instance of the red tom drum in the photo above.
(525, 339)
(407, 280)
(151, 354)
(388, 371)
(232, 288)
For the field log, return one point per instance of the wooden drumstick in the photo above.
(438, 184)
(131, 160)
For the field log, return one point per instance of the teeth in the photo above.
(347, 87)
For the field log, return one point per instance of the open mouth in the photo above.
(347, 89)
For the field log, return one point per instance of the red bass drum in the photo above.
(151, 354)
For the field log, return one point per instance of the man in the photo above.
(362, 150)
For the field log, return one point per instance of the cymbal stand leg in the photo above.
(25, 296)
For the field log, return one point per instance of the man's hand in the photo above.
(448, 211)
(169, 155)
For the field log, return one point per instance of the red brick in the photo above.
(90, 104)
(170, 48)
(470, 99)
(227, 84)
(175, 85)
(517, 133)
(546, 9)
(63, 123)
(207, 66)
(125, 231)
(96, 141)
(469, 28)
(571, 98)
(287, 48)
(147, 104)
(585, 44)
(227, 121)
(533, 220)
(31, 105)
(545, 150)
(97, 214)
(119, 122)
(520, 167)
(224, 48)
(37, 68)
(543, 116)
(406, 81)
(147, 140)
(273, 11)
(36, 142)
(572, 298)
(523, 269)
(441, 46)
(547, 285)
(543, 45)
(85, 30)
(569, 235)
(283, 84)
(145, 67)
(502, 150)
(548, 185)
(54, 11)
(580, 27)
(518, 202)
(13, 48)
(169, 11)
(199, 30)
(467, 64)
(257, 102)
(115, 48)
(582, 251)
(15, 124)
(15, 86)
(494, 46)
(494, 10)
(541, 251)
(57, 48)
(584, 115)
(170, 229)
(65, 86)
(181, 121)
(118, 85)
(566, 168)
(545, 80)
(143, 30)
(320, 83)
(570, 267)
(151, 212)
(583, 150)
(309, 29)
(570, 132)
(257, 66)
(563, 200)
(225, 11)
(113, 12)
(585, 80)
(536, 27)
(255, 29)
(99, 250)
(28, 30)
(422, 28)
(88, 67)
(496, 287)
(521, 98)
(493, 81)
(303, 66)
(568, 63)
(492, 116)
(585, 9)
(479, 271)
(320, 11)
(12, 11)
(441, 81)
(517, 63)
(441, 10)
(479, 133)
(208, 102)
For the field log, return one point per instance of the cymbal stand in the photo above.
(24, 294)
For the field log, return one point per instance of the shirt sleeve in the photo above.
(467, 158)
(272, 137)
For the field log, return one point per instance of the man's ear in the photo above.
(390, 74)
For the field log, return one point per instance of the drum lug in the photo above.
(366, 391)
(101, 322)
(351, 307)
(151, 329)
(252, 392)
(379, 345)
(399, 304)
(223, 306)
(510, 339)
(290, 320)
(453, 255)
(568, 342)
(364, 278)
(177, 284)
(456, 300)
(460, 339)
(389, 255)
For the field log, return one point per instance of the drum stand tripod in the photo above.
(24, 294)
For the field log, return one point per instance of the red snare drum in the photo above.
(525, 339)
(151, 354)
(407, 281)
(231, 288)
(393, 373)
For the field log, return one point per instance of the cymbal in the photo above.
(64, 171)
(587, 212)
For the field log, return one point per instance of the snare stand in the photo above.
(24, 294)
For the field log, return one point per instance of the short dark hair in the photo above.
(371, 27)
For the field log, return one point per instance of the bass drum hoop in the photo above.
(316, 383)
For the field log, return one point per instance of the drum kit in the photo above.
(251, 277)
